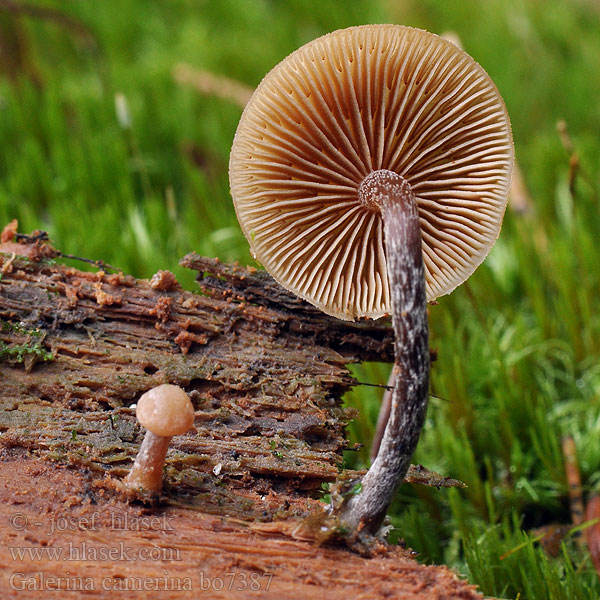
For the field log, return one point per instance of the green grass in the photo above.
(518, 346)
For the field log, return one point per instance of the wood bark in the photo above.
(266, 373)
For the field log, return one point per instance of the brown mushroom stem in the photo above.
(382, 419)
(393, 195)
(147, 470)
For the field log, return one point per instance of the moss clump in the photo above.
(26, 345)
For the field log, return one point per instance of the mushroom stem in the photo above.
(384, 415)
(147, 470)
(394, 197)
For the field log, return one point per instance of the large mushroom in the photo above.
(370, 172)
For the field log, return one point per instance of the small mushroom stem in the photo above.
(392, 194)
(147, 470)
(384, 415)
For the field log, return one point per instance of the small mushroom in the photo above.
(370, 172)
(164, 411)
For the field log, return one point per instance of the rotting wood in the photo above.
(180, 552)
(265, 371)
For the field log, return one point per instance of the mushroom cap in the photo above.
(342, 106)
(165, 410)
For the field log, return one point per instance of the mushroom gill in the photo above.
(350, 103)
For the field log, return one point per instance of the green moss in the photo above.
(31, 350)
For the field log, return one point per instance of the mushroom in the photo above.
(370, 172)
(164, 411)
(384, 415)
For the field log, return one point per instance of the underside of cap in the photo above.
(347, 104)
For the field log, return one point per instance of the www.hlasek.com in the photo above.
(83, 551)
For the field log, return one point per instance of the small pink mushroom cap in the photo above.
(165, 410)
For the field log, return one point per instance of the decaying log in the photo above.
(266, 373)
(61, 533)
